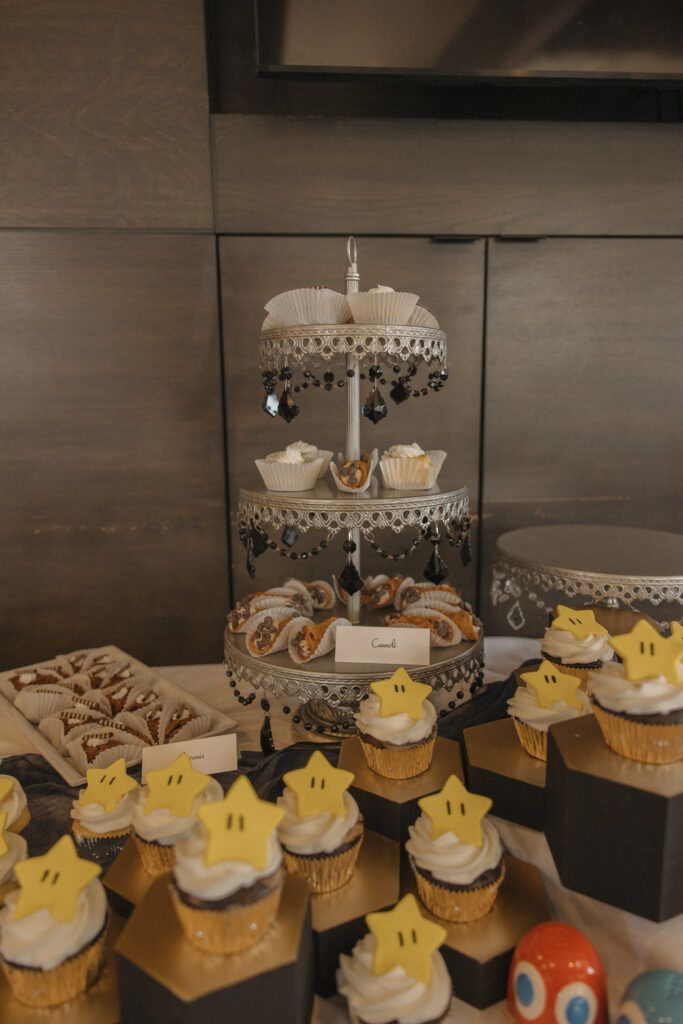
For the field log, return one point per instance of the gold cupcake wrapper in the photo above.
(325, 874)
(638, 741)
(233, 928)
(22, 821)
(399, 763)
(35, 987)
(155, 858)
(460, 905)
(7, 887)
(534, 741)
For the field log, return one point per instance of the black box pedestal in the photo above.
(614, 826)
(498, 766)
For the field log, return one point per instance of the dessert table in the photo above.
(626, 943)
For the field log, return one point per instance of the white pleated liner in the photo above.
(382, 307)
(326, 456)
(277, 614)
(300, 598)
(130, 752)
(53, 729)
(430, 600)
(37, 702)
(411, 474)
(434, 640)
(289, 476)
(374, 456)
(424, 588)
(422, 317)
(196, 727)
(7, 688)
(326, 642)
(309, 306)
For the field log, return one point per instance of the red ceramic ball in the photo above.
(556, 977)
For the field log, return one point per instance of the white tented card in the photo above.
(381, 644)
(212, 755)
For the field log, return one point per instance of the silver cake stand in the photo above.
(610, 565)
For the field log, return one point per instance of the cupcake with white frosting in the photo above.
(321, 830)
(576, 642)
(408, 467)
(102, 812)
(228, 874)
(534, 706)
(13, 804)
(293, 469)
(397, 727)
(456, 854)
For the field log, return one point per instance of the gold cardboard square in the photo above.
(127, 877)
(494, 747)
(520, 905)
(154, 941)
(375, 885)
(583, 749)
(446, 761)
(99, 1004)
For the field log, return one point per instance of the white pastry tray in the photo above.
(220, 723)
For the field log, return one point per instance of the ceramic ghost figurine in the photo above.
(655, 997)
(556, 977)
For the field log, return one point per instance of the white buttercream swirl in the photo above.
(14, 803)
(160, 826)
(216, 881)
(16, 850)
(40, 940)
(395, 729)
(293, 457)
(563, 646)
(94, 817)
(524, 706)
(306, 450)
(394, 996)
(404, 451)
(319, 833)
(448, 858)
(654, 696)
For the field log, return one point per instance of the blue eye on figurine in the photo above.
(655, 997)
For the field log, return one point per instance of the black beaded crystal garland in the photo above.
(374, 407)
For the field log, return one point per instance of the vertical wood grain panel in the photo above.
(449, 279)
(583, 367)
(104, 120)
(113, 514)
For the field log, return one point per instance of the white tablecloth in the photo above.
(627, 944)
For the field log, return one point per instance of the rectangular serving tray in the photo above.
(220, 723)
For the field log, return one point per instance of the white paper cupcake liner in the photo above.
(53, 729)
(326, 459)
(195, 727)
(422, 317)
(37, 702)
(94, 700)
(280, 641)
(289, 476)
(271, 322)
(341, 486)
(309, 306)
(325, 644)
(411, 474)
(382, 307)
(130, 752)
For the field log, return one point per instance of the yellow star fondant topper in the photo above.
(319, 787)
(401, 695)
(3, 842)
(677, 631)
(174, 788)
(580, 623)
(456, 810)
(646, 653)
(239, 826)
(54, 881)
(550, 686)
(405, 939)
(107, 786)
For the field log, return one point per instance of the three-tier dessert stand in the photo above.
(330, 691)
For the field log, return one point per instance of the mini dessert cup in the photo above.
(35, 987)
(326, 872)
(422, 317)
(639, 740)
(309, 306)
(234, 923)
(369, 461)
(382, 306)
(394, 761)
(290, 476)
(415, 474)
(459, 903)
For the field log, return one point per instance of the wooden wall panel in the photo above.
(281, 175)
(112, 524)
(105, 115)
(450, 280)
(582, 397)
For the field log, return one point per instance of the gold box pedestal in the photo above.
(339, 917)
(99, 1003)
(390, 805)
(614, 826)
(163, 977)
(478, 954)
(498, 766)
(127, 881)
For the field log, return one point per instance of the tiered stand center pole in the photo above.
(353, 415)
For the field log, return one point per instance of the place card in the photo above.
(212, 755)
(381, 645)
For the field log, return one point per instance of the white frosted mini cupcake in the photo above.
(406, 467)
(289, 470)
(533, 714)
(102, 812)
(576, 642)
(382, 305)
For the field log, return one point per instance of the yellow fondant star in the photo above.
(646, 653)
(580, 623)
(3, 842)
(6, 786)
(107, 786)
(551, 685)
(319, 787)
(456, 810)
(239, 826)
(677, 631)
(53, 881)
(175, 787)
(405, 939)
(401, 695)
